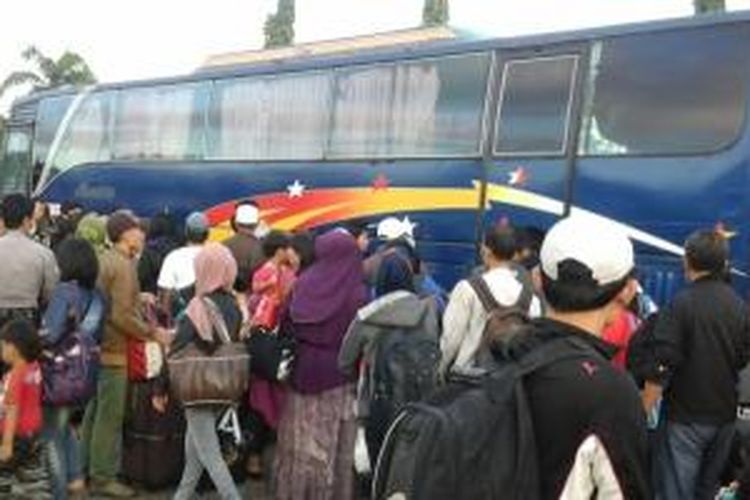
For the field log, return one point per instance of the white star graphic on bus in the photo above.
(296, 190)
(408, 226)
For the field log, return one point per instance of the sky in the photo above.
(133, 39)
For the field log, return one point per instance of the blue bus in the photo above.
(642, 125)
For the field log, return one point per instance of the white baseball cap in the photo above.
(247, 215)
(599, 246)
(390, 229)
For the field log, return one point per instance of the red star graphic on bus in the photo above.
(381, 183)
(518, 177)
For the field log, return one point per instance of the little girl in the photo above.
(23, 467)
(271, 284)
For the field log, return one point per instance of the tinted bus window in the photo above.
(535, 105)
(160, 122)
(425, 108)
(49, 115)
(14, 169)
(87, 137)
(667, 93)
(284, 117)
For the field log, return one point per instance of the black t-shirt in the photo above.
(587, 417)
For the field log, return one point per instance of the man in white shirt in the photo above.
(465, 317)
(177, 275)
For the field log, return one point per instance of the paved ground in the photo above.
(254, 490)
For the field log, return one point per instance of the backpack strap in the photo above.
(482, 290)
(484, 294)
(527, 292)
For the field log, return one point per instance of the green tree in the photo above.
(279, 27)
(48, 73)
(706, 6)
(435, 13)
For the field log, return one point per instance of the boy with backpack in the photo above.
(553, 418)
(504, 285)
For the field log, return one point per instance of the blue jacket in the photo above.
(68, 300)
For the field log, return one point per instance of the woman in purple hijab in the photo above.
(314, 456)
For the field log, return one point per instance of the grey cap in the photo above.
(197, 223)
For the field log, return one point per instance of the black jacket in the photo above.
(702, 341)
(589, 424)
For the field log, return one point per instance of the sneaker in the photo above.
(113, 489)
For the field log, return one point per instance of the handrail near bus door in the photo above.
(573, 139)
(488, 135)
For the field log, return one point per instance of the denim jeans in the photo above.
(690, 458)
(202, 451)
(63, 446)
(102, 425)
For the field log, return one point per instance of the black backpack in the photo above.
(405, 370)
(473, 440)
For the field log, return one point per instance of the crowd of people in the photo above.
(342, 334)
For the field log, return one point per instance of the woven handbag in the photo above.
(220, 378)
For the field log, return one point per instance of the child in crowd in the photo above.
(271, 286)
(272, 282)
(23, 468)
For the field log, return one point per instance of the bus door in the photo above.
(530, 148)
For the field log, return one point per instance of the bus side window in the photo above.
(282, 117)
(535, 105)
(674, 92)
(160, 123)
(431, 107)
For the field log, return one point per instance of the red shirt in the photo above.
(22, 388)
(619, 334)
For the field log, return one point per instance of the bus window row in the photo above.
(675, 92)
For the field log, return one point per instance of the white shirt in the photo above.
(178, 271)
(465, 317)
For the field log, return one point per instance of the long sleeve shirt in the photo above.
(702, 341)
(118, 281)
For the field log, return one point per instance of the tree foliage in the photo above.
(435, 13)
(69, 69)
(706, 6)
(279, 27)
(2, 135)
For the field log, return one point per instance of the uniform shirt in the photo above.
(28, 272)
(22, 388)
(465, 318)
(589, 423)
(178, 270)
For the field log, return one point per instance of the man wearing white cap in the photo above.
(244, 245)
(589, 424)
